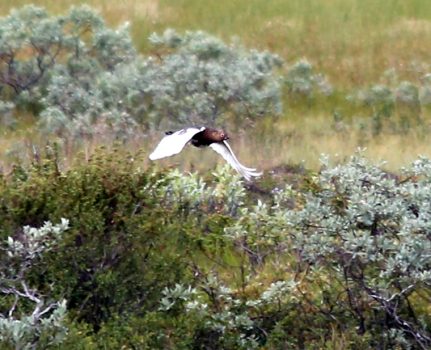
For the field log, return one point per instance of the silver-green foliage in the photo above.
(372, 230)
(361, 234)
(193, 195)
(35, 46)
(204, 78)
(369, 229)
(301, 79)
(43, 321)
(86, 78)
(218, 309)
(393, 98)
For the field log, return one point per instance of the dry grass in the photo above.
(300, 142)
(304, 141)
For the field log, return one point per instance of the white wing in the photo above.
(174, 143)
(225, 151)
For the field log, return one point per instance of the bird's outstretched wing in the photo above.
(173, 143)
(226, 152)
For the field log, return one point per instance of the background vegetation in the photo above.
(101, 249)
(355, 44)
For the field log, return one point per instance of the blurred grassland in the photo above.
(352, 42)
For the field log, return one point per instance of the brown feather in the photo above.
(208, 136)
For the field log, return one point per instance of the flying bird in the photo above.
(174, 142)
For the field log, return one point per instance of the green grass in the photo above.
(353, 42)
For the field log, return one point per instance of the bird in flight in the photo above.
(174, 142)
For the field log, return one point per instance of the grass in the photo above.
(297, 143)
(353, 42)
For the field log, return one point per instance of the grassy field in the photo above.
(352, 42)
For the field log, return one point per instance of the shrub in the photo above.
(82, 78)
(301, 80)
(361, 246)
(128, 231)
(30, 320)
(393, 106)
(165, 260)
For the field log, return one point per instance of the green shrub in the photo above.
(349, 266)
(164, 260)
(28, 318)
(117, 232)
(132, 233)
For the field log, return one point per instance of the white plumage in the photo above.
(226, 152)
(174, 142)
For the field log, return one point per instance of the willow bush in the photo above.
(167, 260)
(80, 77)
(393, 105)
(24, 326)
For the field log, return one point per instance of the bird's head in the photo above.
(224, 135)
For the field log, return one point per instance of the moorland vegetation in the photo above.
(102, 250)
